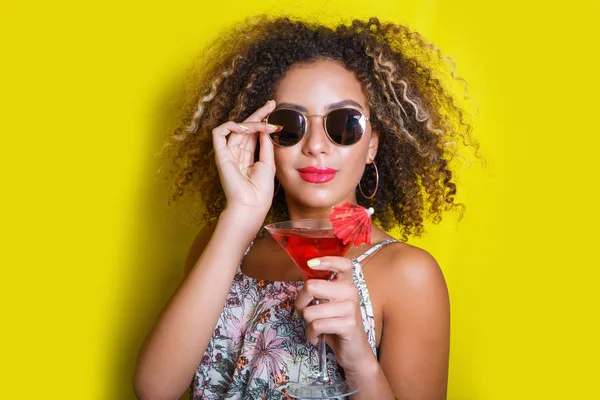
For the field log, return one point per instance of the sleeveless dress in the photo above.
(258, 345)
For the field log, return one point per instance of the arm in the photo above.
(415, 341)
(175, 345)
(173, 349)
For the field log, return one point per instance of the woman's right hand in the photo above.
(246, 183)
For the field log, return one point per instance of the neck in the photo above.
(298, 211)
(309, 213)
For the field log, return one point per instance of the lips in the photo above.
(317, 174)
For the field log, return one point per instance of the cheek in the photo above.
(357, 172)
(356, 160)
(279, 157)
(283, 159)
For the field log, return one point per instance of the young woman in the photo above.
(290, 119)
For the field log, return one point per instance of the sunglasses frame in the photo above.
(324, 116)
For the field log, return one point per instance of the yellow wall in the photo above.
(89, 253)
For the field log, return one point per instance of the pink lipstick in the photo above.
(317, 174)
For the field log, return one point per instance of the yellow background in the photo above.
(90, 253)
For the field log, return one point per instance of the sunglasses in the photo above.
(344, 126)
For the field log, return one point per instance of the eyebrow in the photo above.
(344, 103)
(332, 106)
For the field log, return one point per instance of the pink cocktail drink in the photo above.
(303, 244)
(303, 240)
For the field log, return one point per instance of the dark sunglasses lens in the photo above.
(293, 124)
(345, 126)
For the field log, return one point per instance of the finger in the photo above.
(342, 267)
(254, 127)
(262, 112)
(303, 300)
(257, 127)
(248, 146)
(221, 132)
(330, 326)
(250, 129)
(338, 309)
(320, 289)
(266, 152)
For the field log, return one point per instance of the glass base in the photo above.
(316, 390)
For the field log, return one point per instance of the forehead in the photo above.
(318, 84)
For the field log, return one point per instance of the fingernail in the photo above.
(313, 263)
(243, 127)
(277, 128)
(270, 101)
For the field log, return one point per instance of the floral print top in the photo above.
(258, 345)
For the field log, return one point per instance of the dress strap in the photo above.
(374, 249)
(249, 247)
(366, 307)
(239, 268)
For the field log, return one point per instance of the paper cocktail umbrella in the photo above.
(352, 223)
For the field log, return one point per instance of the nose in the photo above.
(316, 141)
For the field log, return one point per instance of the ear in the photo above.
(373, 146)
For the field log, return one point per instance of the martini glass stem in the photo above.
(323, 378)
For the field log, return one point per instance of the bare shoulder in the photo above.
(406, 271)
(198, 245)
(415, 321)
(412, 263)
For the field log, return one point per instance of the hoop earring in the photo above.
(376, 184)
(277, 190)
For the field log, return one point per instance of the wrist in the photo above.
(369, 368)
(241, 220)
(372, 381)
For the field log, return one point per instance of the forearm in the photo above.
(177, 342)
(372, 383)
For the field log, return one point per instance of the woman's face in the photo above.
(317, 88)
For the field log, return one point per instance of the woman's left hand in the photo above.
(339, 318)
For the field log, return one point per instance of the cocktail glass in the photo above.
(303, 240)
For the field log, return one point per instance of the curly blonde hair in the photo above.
(420, 123)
